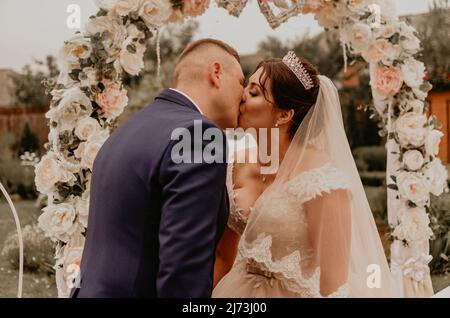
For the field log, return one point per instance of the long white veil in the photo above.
(346, 245)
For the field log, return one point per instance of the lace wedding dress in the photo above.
(311, 233)
(278, 262)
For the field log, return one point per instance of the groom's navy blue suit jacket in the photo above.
(153, 224)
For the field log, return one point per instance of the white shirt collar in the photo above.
(180, 92)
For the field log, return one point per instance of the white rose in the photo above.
(48, 172)
(432, 142)
(381, 50)
(132, 63)
(420, 94)
(417, 267)
(86, 128)
(359, 36)
(105, 4)
(414, 225)
(413, 72)
(413, 160)
(133, 32)
(68, 264)
(436, 175)
(330, 16)
(115, 31)
(408, 40)
(410, 129)
(155, 13)
(387, 30)
(88, 77)
(357, 6)
(415, 105)
(125, 7)
(58, 221)
(87, 151)
(388, 10)
(413, 186)
(78, 47)
(73, 106)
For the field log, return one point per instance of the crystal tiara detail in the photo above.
(296, 66)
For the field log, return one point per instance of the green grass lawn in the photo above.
(34, 285)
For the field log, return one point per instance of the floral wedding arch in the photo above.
(88, 97)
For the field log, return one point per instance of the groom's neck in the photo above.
(197, 97)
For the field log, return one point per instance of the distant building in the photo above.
(7, 98)
(13, 116)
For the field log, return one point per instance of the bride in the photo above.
(306, 231)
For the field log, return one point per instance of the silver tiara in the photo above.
(296, 66)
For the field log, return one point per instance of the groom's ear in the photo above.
(285, 116)
(215, 73)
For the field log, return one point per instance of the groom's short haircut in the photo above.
(193, 52)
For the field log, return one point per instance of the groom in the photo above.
(153, 223)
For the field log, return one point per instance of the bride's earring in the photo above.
(276, 125)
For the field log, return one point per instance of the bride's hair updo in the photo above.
(287, 90)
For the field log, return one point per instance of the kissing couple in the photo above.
(159, 227)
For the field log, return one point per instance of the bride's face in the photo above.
(257, 110)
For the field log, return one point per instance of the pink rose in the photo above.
(113, 100)
(195, 8)
(312, 6)
(386, 81)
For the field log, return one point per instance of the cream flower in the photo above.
(415, 105)
(78, 47)
(408, 40)
(329, 16)
(73, 106)
(86, 128)
(48, 172)
(115, 34)
(68, 264)
(387, 30)
(414, 225)
(155, 13)
(432, 142)
(132, 62)
(413, 186)
(359, 36)
(58, 221)
(436, 175)
(417, 267)
(87, 151)
(105, 4)
(410, 129)
(413, 160)
(381, 50)
(388, 10)
(413, 72)
(125, 7)
(88, 77)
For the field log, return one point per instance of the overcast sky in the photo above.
(34, 28)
